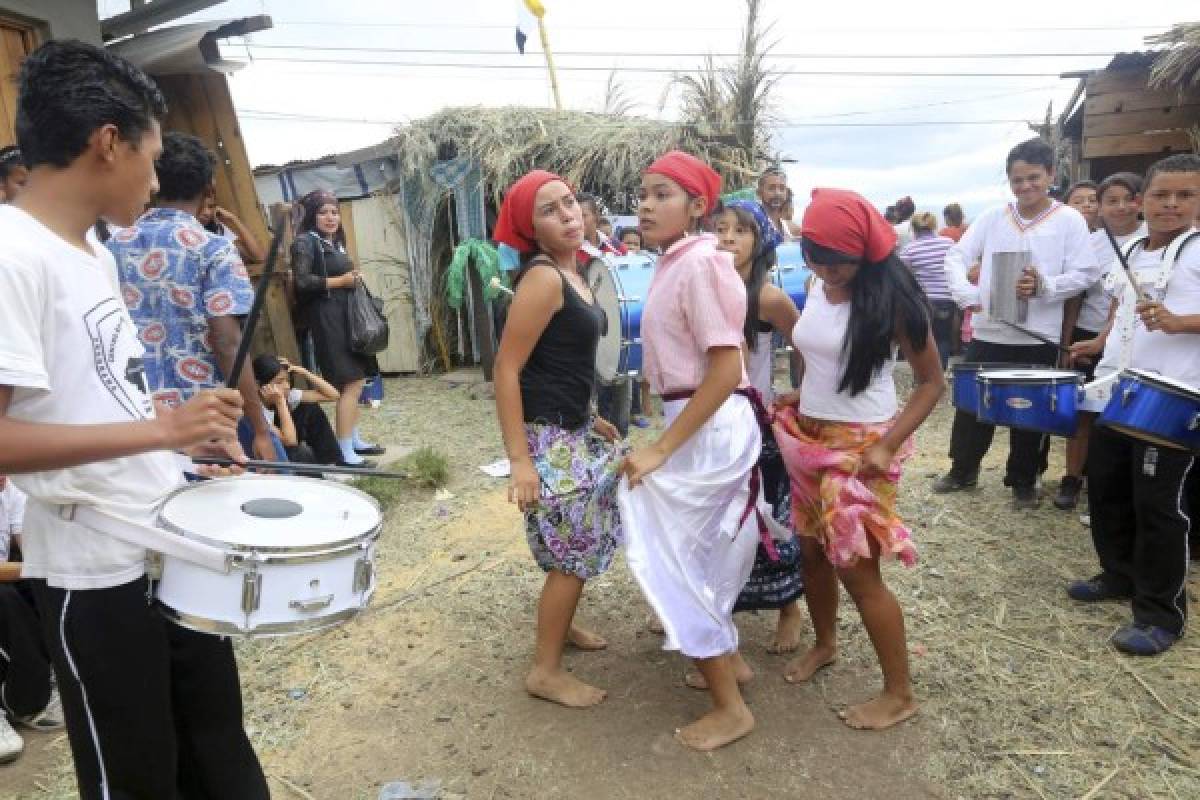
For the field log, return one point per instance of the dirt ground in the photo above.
(1021, 696)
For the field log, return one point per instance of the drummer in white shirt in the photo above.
(1088, 320)
(1063, 265)
(1139, 526)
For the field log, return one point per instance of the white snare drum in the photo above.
(301, 553)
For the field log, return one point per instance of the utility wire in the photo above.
(644, 54)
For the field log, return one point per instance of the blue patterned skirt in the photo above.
(576, 527)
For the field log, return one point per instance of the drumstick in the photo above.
(260, 294)
(1038, 336)
(296, 466)
(1143, 296)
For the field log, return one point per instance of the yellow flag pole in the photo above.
(539, 11)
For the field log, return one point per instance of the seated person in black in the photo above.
(296, 415)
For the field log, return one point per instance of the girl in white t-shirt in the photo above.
(843, 437)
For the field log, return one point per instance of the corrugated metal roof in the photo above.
(188, 49)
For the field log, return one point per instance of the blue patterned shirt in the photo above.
(175, 276)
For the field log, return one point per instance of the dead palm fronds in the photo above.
(1177, 67)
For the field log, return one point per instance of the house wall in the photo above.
(1125, 120)
(375, 239)
(58, 19)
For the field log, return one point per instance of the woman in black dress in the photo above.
(325, 277)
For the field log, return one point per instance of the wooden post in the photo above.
(481, 319)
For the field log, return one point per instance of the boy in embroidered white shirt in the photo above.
(1063, 265)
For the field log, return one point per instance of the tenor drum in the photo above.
(300, 552)
(635, 273)
(791, 274)
(1155, 409)
(1042, 400)
(964, 394)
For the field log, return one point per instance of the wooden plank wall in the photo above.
(201, 105)
(1122, 117)
(17, 40)
(381, 253)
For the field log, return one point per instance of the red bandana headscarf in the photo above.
(693, 175)
(843, 220)
(514, 225)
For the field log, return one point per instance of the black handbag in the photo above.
(368, 325)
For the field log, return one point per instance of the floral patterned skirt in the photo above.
(576, 527)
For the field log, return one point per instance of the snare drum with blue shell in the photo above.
(1043, 400)
(791, 273)
(964, 392)
(1154, 408)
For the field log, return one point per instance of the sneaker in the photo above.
(370, 450)
(1025, 498)
(11, 743)
(49, 718)
(366, 463)
(1068, 493)
(1094, 590)
(1140, 639)
(950, 482)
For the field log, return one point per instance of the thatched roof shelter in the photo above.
(1177, 67)
(600, 153)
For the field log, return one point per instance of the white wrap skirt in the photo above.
(690, 542)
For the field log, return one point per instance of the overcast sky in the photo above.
(289, 107)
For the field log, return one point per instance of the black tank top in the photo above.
(558, 378)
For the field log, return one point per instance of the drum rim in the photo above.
(1177, 388)
(1063, 376)
(992, 366)
(622, 309)
(219, 627)
(298, 553)
(1143, 435)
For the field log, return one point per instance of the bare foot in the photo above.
(787, 631)
(562, 687)
(803, 668)
(717, 728)
(879, 713)
(585, 639)
(741, 670)
(654, 624)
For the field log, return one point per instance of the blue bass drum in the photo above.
(791, 273)
(634, 273)
(1148, 406)
(1041, 400)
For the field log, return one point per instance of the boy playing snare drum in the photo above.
(1140, 525)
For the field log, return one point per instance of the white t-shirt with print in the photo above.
(1097, 304)
(1172, 355)
(72, 356)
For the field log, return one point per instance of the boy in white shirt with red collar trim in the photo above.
(1063, 265)
(152, 710)
(1140, 520)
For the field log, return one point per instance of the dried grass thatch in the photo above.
(1178, 67)
(600, 153)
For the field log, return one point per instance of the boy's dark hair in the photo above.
(1031, 151)
(904, 209)
(591, 201)
(10, 157)
(953, 214)
(1130, 181)
(68, 89)
(1180, 162)
(185, 168)
(1076, 186)
(266, 367)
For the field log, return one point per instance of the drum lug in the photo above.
(312, 604)
(1053, 402)
(1194, 424)
(1127, 393)
(251, 591)
(364, 572)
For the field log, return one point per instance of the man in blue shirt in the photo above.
(185, 289)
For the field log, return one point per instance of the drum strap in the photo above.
(147, 536)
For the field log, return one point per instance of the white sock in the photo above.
(348, 454)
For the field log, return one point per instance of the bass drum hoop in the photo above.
(609, 295)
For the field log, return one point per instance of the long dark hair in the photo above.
(884, 298)
(760, 265)
(309, 222)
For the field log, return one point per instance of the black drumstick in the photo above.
(1038, 336)
(1145, 297)
(295, 466)
(260, 294)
